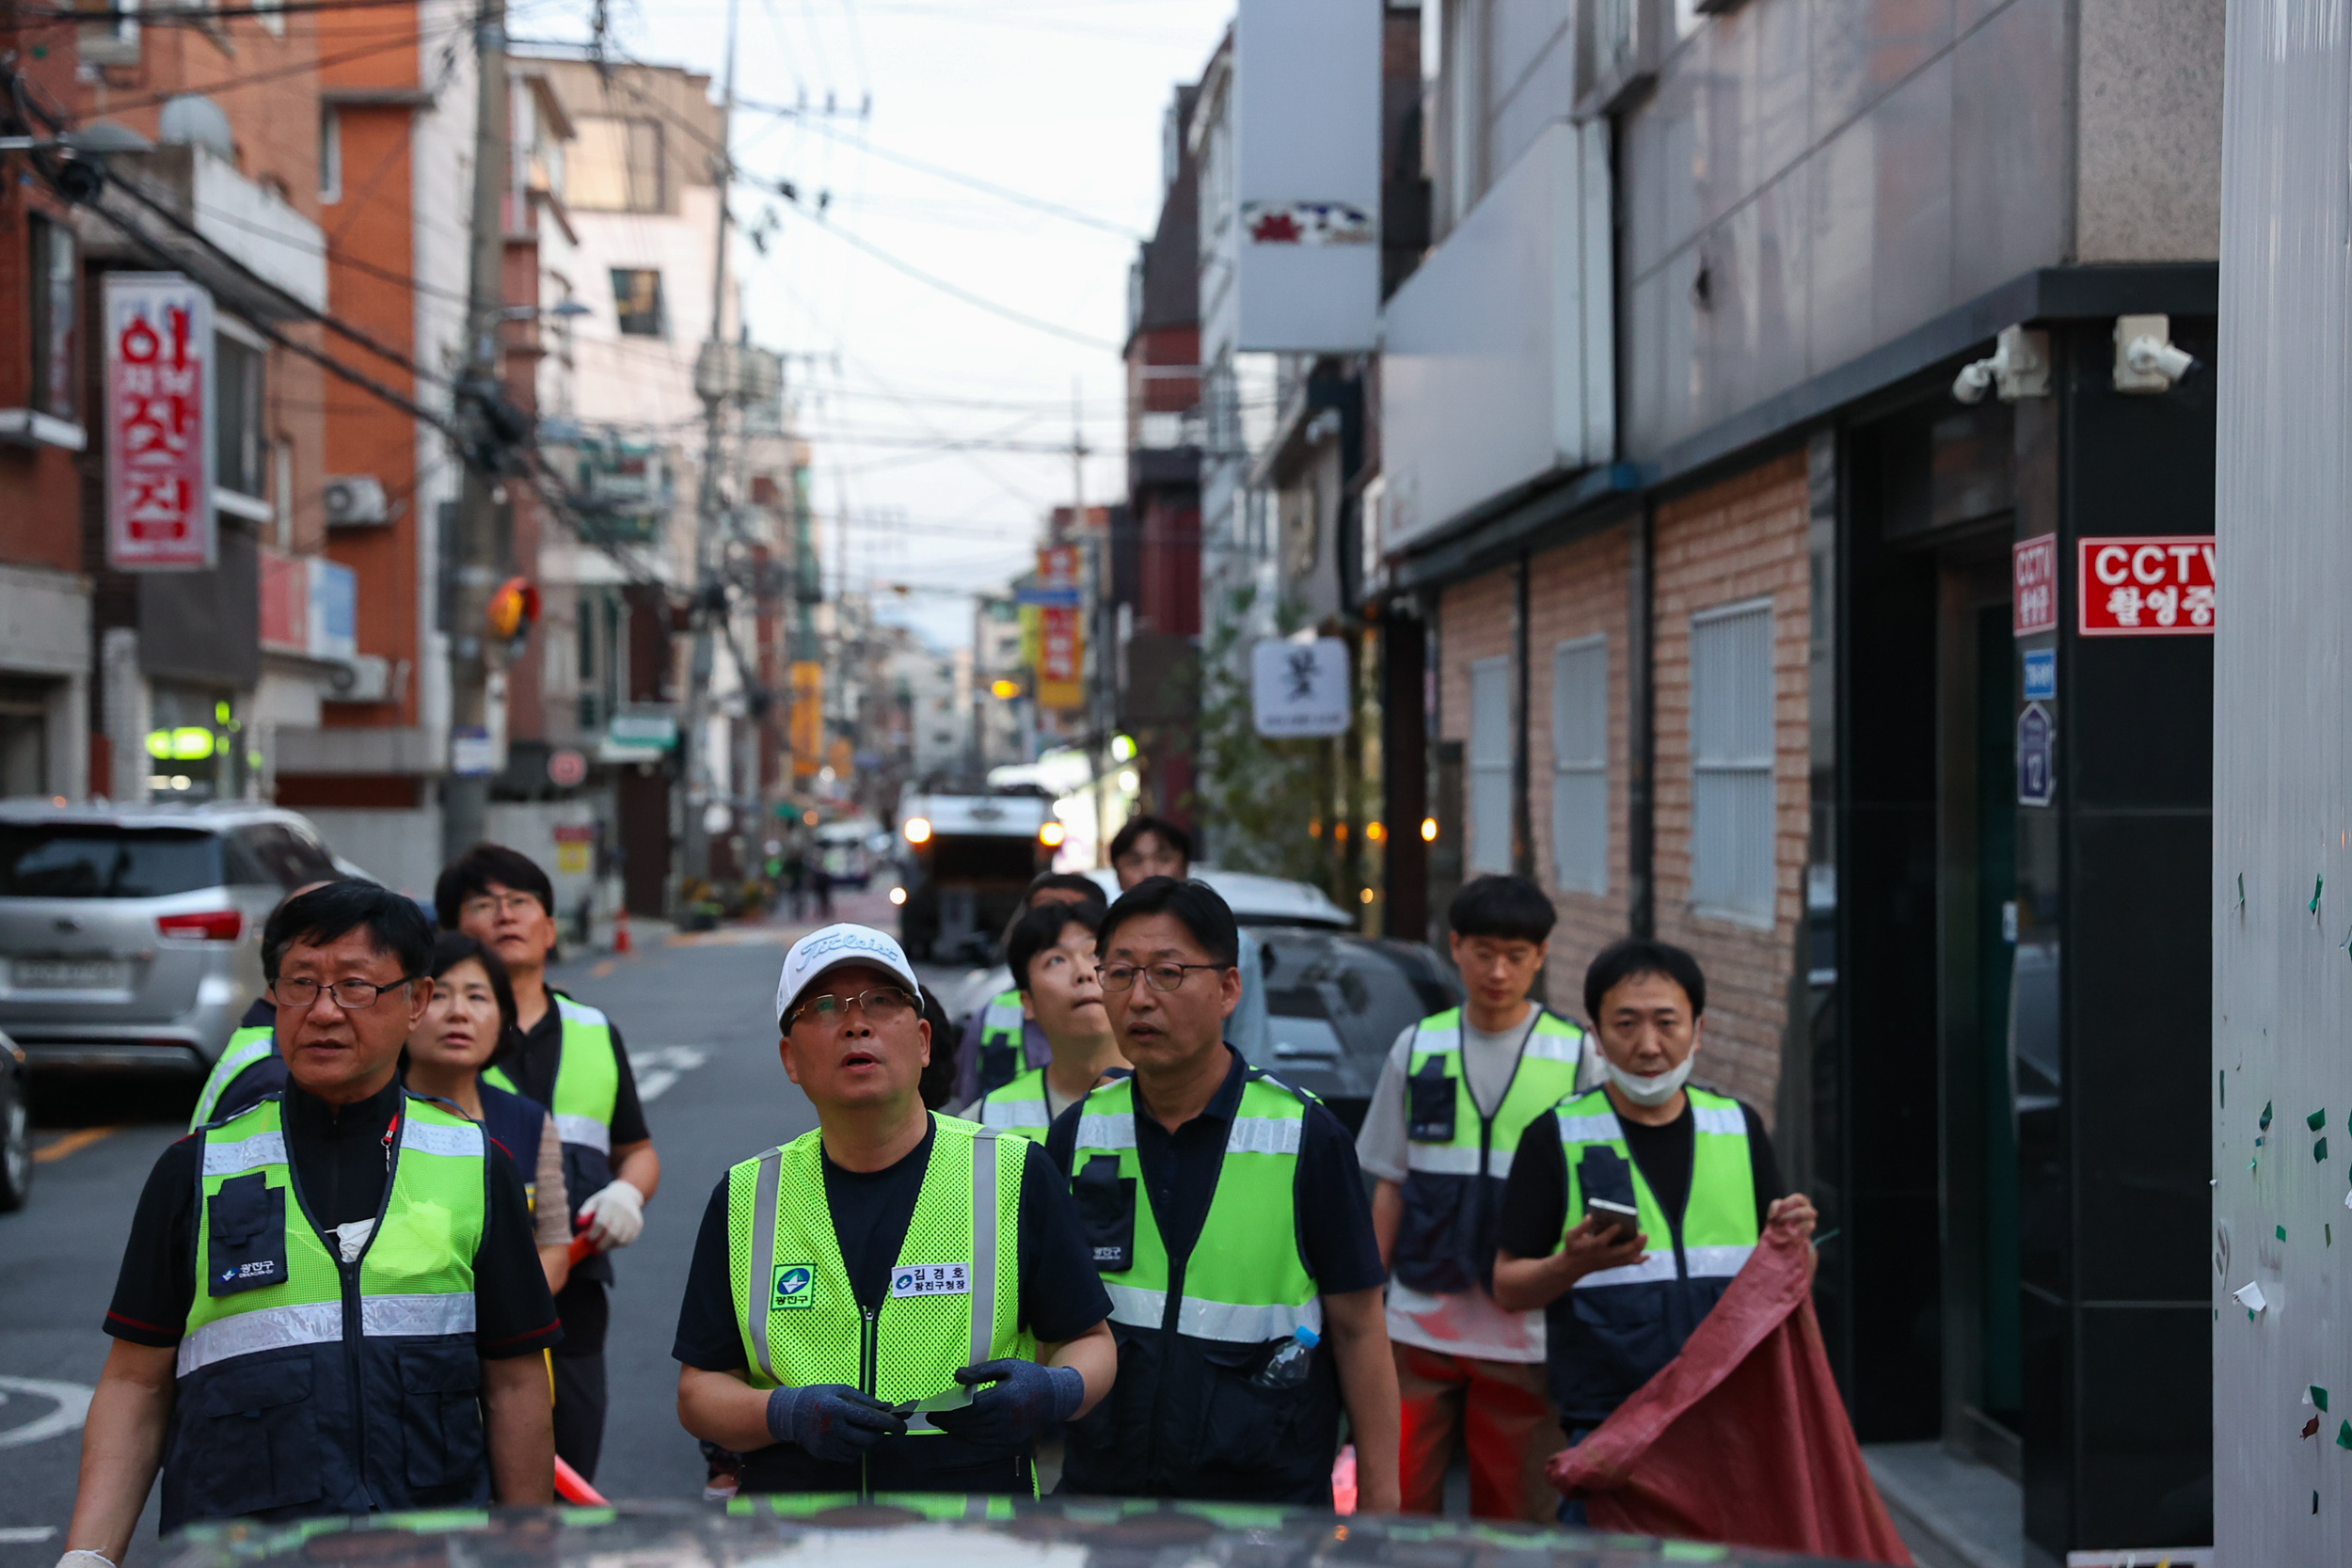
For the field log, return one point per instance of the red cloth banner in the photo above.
(1740, 1439)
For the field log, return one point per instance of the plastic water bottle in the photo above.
(1287, 1368)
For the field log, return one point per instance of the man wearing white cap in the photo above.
(897, 1301)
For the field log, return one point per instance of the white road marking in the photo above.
(658, 1067)
(72, 1401)
(25, 1535)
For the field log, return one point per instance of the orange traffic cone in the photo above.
(620, 931)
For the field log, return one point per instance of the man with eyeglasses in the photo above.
(1227, 1219)
(897, 1301)
(567, 1056)
(330, 1304)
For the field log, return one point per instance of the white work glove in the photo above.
(85, 1559)
(615, 1217)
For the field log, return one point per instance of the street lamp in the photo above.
(570, 309)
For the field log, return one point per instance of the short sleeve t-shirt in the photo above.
(1466, 1322)
(338, 1159)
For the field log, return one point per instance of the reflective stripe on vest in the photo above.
(1245, 1280)
(1003, 1023)
(1546, 1074)
(416, 1274)
(1718, 1229)
(587, 1078)
(248, 1046)
(796, 1312)
(1019, 1108)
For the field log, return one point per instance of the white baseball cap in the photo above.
(820, 953)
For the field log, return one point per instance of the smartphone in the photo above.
(1622, 1217)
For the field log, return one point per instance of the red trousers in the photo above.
(1498, 1412)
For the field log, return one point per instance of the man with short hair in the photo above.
(330, 1304)
(1147, 846)
(1695, 1168)
(1226, 1216)
(1456, 1093)
(1000, 1041)
(569, 1056)
(249, 1067)
(853, 1290)
(1052, 955)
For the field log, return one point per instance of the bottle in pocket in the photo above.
(1288, 1367)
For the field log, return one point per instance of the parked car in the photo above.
(16, 1128)
(131, 935)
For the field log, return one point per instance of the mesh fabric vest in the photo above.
(954, 1300)
(1457, 1159)
(1614, 1329)
(1185, 1419)
(311, 1386)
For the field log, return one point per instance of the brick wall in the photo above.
(1578, 591)
(1741, 539)
(1473, 623)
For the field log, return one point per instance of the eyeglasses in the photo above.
(352, 996)
(489, 908)
(1163, 976)
(882, 1005)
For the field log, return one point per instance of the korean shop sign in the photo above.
(159, 418)
(2145, 586)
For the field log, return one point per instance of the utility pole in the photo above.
(717, 379)
(466, 789)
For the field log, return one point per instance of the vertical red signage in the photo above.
(159, 424)
(2033, 585)
(2145, 585)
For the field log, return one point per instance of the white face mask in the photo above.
(1654, 1090)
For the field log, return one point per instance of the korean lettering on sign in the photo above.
(2146, 586)
(159, 424)
(2033, 594)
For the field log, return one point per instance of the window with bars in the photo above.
(1580, 764)
(1733, 825)
(1491, 766)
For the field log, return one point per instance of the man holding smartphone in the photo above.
(1640, 1163)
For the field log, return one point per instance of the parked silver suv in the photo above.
(131, 935)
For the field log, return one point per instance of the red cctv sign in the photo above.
(2157, 585)
(2033, 585)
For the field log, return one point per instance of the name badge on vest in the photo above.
(932, 1279)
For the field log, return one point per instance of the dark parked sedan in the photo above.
(1337, 1002)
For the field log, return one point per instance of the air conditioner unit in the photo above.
(365, 679)
(355, 501)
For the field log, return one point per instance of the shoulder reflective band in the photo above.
(761, 1274)
(983, 1297)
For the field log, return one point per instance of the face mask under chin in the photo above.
(1656, 1089)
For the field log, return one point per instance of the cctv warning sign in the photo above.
(2145, 586)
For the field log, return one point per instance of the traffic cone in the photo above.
(620, 931)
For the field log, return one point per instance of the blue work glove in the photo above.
(1023, 1400)
(831, 1421)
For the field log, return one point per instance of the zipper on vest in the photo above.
(868, 1347)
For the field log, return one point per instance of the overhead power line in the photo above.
(988, 187)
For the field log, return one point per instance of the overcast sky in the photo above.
(920, 403)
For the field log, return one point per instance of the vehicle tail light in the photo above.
(211, 925)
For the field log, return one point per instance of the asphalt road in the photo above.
(696, 1013)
